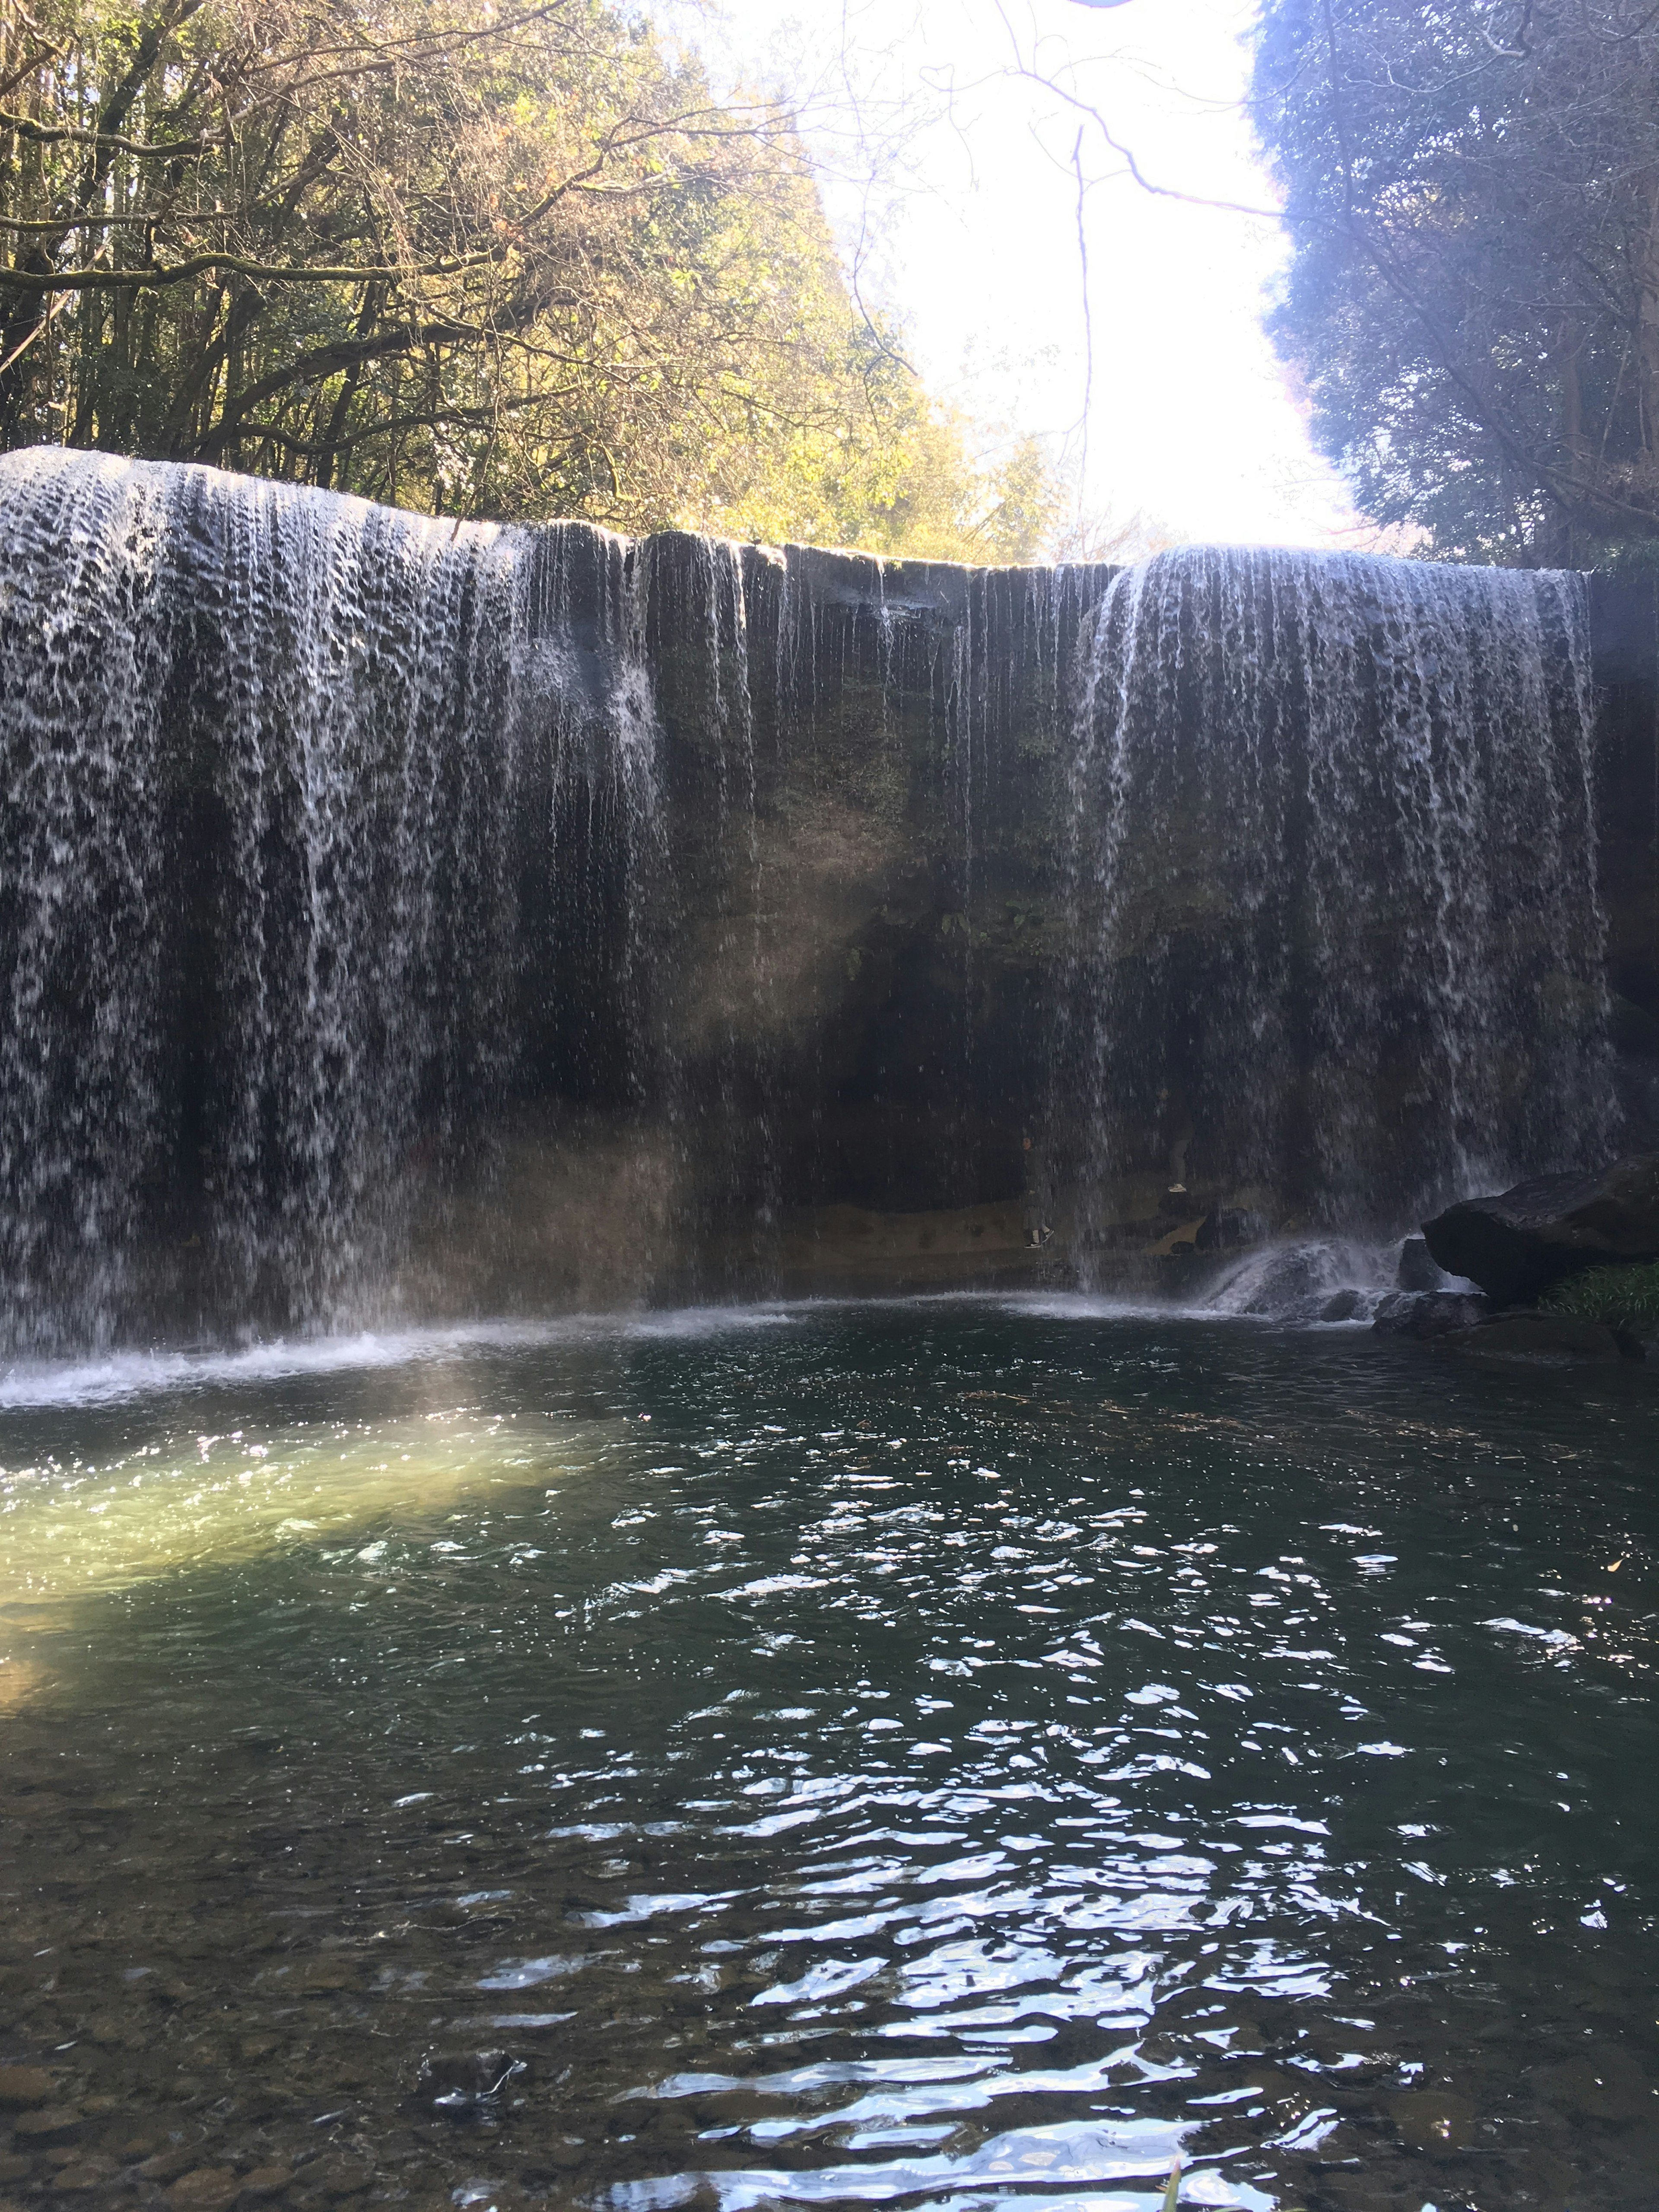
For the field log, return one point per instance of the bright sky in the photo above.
(973, 233)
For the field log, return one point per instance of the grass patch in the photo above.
(1626, 1297)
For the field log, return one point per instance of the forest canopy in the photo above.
(468, 256)
(1471, 188)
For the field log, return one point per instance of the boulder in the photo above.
(1426, 1314)
(1517, 1244)
(1545, 1340)
(1418, 1270)
(1293, 1284)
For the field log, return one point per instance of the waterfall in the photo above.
(83, 664)
(717, 1094)
(1334, 939)
(401, 915)
(285, 774)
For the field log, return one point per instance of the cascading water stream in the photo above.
(1334, 942)
(401, 916)
(285, 772)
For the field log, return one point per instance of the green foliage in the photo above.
(1625, 1297)
(1472, 191)
(465, 256)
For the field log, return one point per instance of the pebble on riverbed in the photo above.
(48, 2123)
(207, 2189)
(25, 2085)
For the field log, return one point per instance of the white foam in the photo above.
(120, 1376)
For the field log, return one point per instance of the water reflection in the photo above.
(939, 1756)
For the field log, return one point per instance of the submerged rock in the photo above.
(207, 2189)
(1545, 1339)
(46, 2123)
(465, 2086)
(1426, 1314)
(25, 2085)
(1516, 1245)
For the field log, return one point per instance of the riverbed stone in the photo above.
(45, 2124)
(165, 2165)
(206, 2189)
(1431, 2119)
(264, 2183)
(82, 2174)
(339, 2178)
(1515, 1243)
(1610, 2084)
(25, 2085)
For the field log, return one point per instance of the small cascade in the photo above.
(1334, 941)
(1327, 1279)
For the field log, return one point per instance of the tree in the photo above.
(478, 257)
(1472, 299)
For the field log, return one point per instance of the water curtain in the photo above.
(364, 877)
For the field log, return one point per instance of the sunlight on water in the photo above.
(212, 1499)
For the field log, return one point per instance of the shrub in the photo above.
(1626, 1296)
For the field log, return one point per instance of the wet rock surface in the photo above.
(1428, 1314)
(1549, 1340)
(1516, 1243)
(1418, 1270)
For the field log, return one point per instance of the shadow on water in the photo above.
(929, 1755)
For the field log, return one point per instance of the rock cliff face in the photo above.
(405, 916)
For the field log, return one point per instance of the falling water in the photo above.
(283, 909)
(83, 621)
(401, 916)
(1009, 701)
(717, 1091)
(1334, 940)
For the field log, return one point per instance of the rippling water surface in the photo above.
(950, 1755)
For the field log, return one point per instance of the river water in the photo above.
(953, 1754)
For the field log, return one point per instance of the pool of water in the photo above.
(958, 1754)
